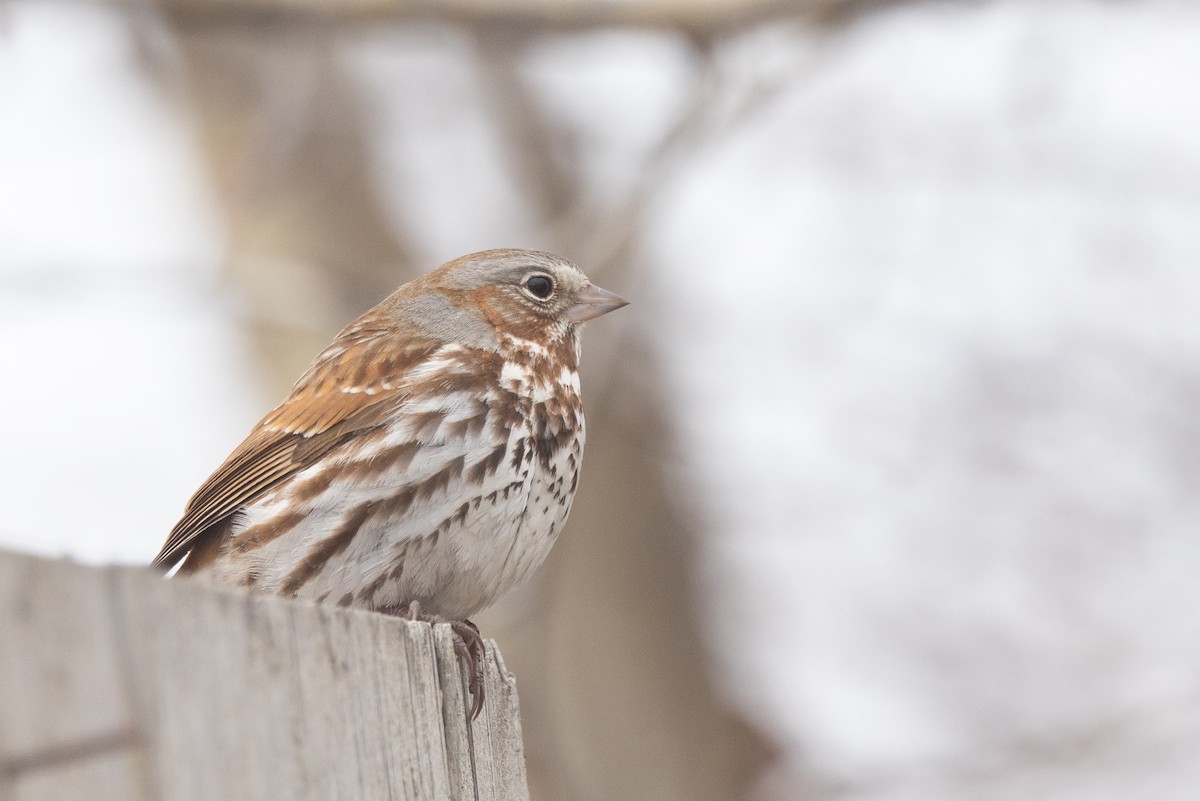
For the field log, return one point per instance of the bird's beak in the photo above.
(592, 301)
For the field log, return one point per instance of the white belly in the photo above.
(454, 547)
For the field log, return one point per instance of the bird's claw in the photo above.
(468, 644)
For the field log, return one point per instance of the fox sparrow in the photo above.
(425, 463)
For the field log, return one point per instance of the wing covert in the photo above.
(350, 389)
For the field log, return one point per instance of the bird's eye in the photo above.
(540, 286)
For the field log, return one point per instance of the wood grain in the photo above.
(117, 684)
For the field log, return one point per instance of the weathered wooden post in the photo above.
(118, 685)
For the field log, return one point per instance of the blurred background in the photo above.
(893, 463)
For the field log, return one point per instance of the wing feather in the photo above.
(322, 412)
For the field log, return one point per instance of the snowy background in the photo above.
(925, 293)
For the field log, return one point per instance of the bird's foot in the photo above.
(410, 611)
(468, 644)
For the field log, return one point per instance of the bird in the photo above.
(426, 461)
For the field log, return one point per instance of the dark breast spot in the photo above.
(518, 453)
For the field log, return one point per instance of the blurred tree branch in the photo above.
(693, 17)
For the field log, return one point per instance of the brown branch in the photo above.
(697, 17)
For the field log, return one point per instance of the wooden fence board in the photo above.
(116, 684)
